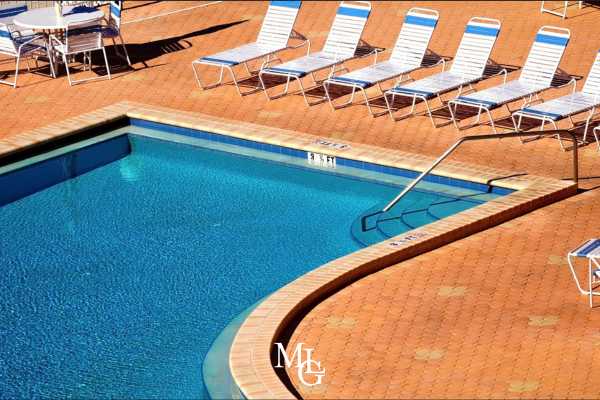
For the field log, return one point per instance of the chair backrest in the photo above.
(115, 13)
(278, 23)
(475, 47)
(82, 38)
(347, 28)
(545, 55)
(12, 9)
(414, 36)
(592, 83)
(7, 45)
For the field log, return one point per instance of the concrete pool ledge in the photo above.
(250, 355)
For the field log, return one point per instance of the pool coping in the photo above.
(250, 356)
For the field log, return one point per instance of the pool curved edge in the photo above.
(250, 355)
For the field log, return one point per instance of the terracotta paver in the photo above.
(492, 315)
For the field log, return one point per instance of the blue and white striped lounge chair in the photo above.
(467, 67)
(18, 46)
(588, 99)
(407, 56)
(537, 74)
(113, 29)
(591, 251)
(273, 37)
(340, 46)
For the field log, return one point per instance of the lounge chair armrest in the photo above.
(304, 41)
(504, 72)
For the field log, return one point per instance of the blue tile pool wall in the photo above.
(405, 173)
(35, 177)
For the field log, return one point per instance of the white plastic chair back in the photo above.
(83, 38)
(592, 83)
(475, 47)
(414, 37)
(7, 45)
(278, 23)
(545, 55)
(347, 29)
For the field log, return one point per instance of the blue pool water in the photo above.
(116, 282)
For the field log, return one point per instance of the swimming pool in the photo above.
(116, 281)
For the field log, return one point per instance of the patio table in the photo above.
(46, 21)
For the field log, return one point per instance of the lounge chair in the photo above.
(568, 105)
(406, 57)
(340, 46)
(537, 74)
(467, 67)
(11, 10)
(273, 37)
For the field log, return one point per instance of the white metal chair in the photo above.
(19, 47)
(537, 74)
(80, 40)
(568, 105)
(407, 56)
(340, 46)
(467, 67)
(113, 29)
(589, 250)
(273, 37)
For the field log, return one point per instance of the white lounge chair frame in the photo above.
(540, 67)
(340, 46)
(591, 251)
(467, 67)
(273, 37)
(567, 106)
(113, 29)
(407, 56)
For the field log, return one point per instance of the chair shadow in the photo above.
(142, 53)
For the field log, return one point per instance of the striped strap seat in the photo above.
(572, 103)
(468, 66)
(273, 36)
(501, 94)
(341, 43)
(10, 10)
(406, 56)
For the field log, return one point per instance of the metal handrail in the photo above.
(470, 139)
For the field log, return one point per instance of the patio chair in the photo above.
(467, 67)
(340, 46)
(589, 250)
(18, 47)
(81, 40)
(273, 37)
(568, 105)
(537, 74)
(113, 29)
(407, 56)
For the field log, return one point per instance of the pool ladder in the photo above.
(395, 200)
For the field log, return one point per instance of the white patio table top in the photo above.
(46, 19)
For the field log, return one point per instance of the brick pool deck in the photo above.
(492, 315)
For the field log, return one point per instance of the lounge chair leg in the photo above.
(235, 81)
(105, 60)
(452, 113)
(429, 113)
(367, 101)
(487, 110)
